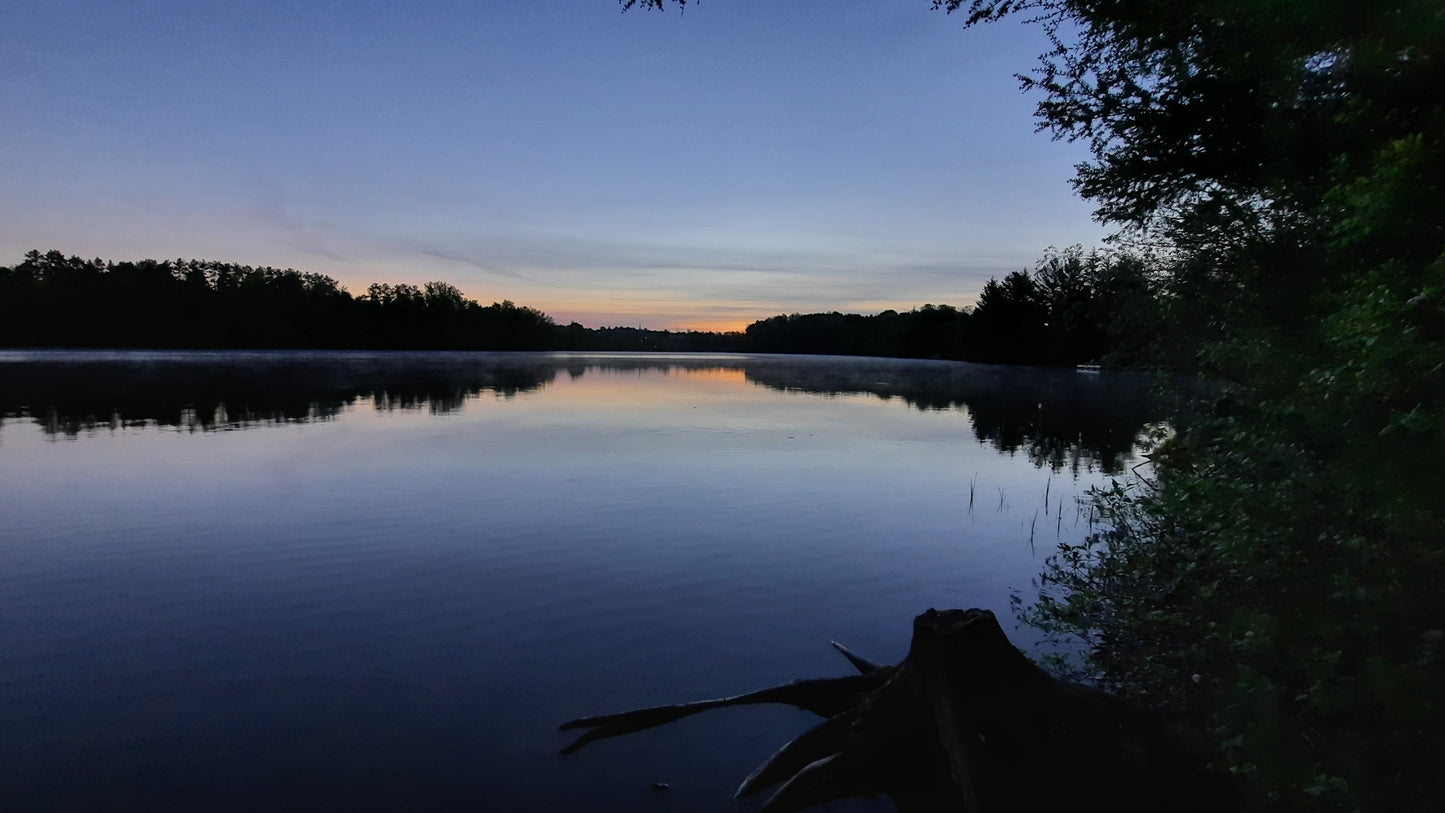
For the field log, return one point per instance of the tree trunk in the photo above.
(964, 724)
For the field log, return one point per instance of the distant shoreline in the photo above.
(51, 301)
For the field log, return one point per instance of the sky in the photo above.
(693, 170)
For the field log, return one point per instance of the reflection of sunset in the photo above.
(690, 390)
(720, 375)
(646, 389)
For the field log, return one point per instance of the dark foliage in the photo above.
(50, 300)
(1073, 308)
(1277, 579)
(631, 339)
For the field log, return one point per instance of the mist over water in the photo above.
(375, 581)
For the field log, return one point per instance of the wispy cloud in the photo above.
(269, 210)
(478, 264)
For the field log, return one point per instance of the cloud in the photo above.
(490, 269)
(270, 210)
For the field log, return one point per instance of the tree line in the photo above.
(1074, 307)
(51, 300)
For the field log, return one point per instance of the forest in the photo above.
(1072, 308)
(51, 300)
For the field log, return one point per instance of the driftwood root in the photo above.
(964, 724)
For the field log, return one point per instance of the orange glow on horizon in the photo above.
(594, 310)
(711, 326)
(675, 320)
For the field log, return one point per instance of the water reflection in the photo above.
(73, 393)
(1059, 419)
(371, 608)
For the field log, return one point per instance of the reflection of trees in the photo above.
(68, 395)
(1060, 419)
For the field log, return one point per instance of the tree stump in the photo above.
(964, 724)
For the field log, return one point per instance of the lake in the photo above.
(379, 581)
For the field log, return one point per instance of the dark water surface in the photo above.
(369, 581)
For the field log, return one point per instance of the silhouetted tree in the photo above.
(51, 300)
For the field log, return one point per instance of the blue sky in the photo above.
(704, 169)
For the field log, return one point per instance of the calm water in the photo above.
(379, 581)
